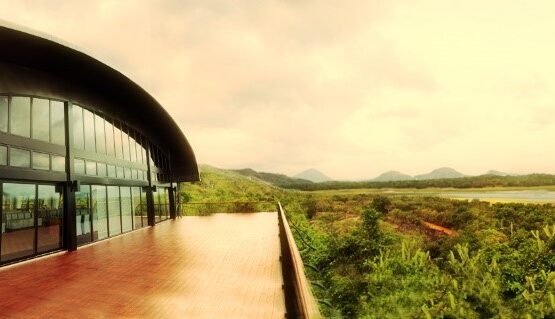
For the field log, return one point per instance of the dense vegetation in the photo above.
(372, 256)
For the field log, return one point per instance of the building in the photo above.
(85, 153)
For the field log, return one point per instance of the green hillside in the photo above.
(280, 180)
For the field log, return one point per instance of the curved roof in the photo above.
(85, 76)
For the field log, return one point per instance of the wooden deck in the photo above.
(219, 266)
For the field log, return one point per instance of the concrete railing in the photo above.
(299, 300)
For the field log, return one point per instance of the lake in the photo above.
(524, 196)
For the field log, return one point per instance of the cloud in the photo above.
(353, 88)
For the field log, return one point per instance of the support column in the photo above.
(149, 198)
(70, 186)
(172, 201)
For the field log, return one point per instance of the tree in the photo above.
(382, 204)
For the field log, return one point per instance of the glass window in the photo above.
(57, 124)
(3, 113)
(143, 154)
(79, 166)
(88, 119)
(126, 210)
(41, 122)
(114, 220)
(41, 161)
(133, 149)
(100, 140)
(110, 139)
(20, 158)
(20, 117)
(101, 169)
(164, 204)
(83, 215)
(111, 171)
(3, 155)
(49, 218)
(125, 144)
(91, 168)
(117, 144)
(119, 170)
(128, 173)
(78, 135)
(137, 208)
(157, 205)
(99, 212)
(58, 163)
(18, 221)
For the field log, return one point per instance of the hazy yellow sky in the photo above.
(352, 88)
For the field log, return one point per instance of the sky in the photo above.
(351, 88)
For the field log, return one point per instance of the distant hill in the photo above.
(272, 178)
(440, 173)
(393, 176)
(496, 173)
(312, 175)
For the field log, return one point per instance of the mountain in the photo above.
(440, 173)
(312, 175)
(276, 179)
(393, 176)
(496, 173)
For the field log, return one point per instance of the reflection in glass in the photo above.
(101, 169)
(157, 208)
(20, 116)
(143, 154)
(58, 163)
(78, 135)
(114, 210)
(41, 125)
(20, 158)
(100, 140)
(117, 143)
(111, 171)
(57, 125)
(3, 113)
(3, 155)
(125, 144)
(49, 219)
(79, 166)
(133, 149)
(99, 212)
(164, 204)
(83, 215)
(91, 168)
(126, 210)
(18, 221)
(137, 208)
(41, 161)
(109, 139)
(119, 172)
(88, 119)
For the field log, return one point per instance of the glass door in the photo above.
(49, 218)
(18, 221)
(32, 218)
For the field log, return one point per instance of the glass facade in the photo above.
(108, 157)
